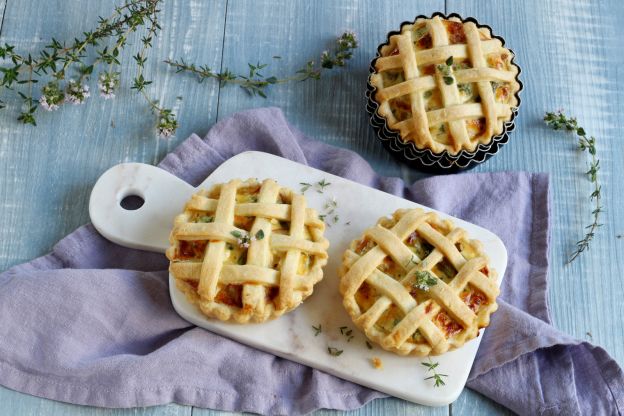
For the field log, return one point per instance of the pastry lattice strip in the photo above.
(443, 296)
(256, 275)
(416, 84)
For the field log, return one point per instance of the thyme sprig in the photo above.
(559, 121)
(256, 83)
(424, 280)
(51, 66)
(437, 377)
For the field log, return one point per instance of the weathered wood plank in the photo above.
(570, 59)
(567, 53)
(12, 403)
(46, 172)
(332, 109)
(2, 9)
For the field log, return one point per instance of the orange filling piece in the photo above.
(191, 249)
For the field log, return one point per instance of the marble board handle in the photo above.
(145, 228)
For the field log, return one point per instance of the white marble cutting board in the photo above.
(291, 336)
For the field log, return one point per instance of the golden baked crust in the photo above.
(445, 84)
(247, 251)
(415, 284)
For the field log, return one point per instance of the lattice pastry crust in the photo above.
(416, 285)
(440, 106)
(247, 251)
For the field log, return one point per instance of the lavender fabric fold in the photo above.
(91, 323)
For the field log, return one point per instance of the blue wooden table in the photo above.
(569, 50)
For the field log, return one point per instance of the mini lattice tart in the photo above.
(415, 284)
(445, 84)
(247, 251)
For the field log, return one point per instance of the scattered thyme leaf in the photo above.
(368, 345)
(437, 377)
(260, 235)
(317, 329)
(237, 234)
(449, 61)
(343, 328)
(305, 186)
(559, 121)
(321, 185)
(334, 351)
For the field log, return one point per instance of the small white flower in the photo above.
(107, 83)
(46, 106)
(165, 133)
(76, 93)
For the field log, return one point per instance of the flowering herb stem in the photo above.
(52, 64)
(255, 83)
(559, 121)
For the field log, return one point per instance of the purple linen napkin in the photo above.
(91, 323)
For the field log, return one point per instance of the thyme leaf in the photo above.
(437, 377)
(334, 351)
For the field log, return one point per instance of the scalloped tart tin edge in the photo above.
(425, 159)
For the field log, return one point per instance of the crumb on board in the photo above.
(376, 361)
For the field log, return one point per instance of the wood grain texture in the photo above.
(569, 53)
(333, 108)
(46, 172)
(2, 9)
(17, 404)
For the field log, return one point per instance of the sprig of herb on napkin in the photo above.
(256, 83)
(559, 121)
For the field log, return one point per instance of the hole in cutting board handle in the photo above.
(132, 202)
